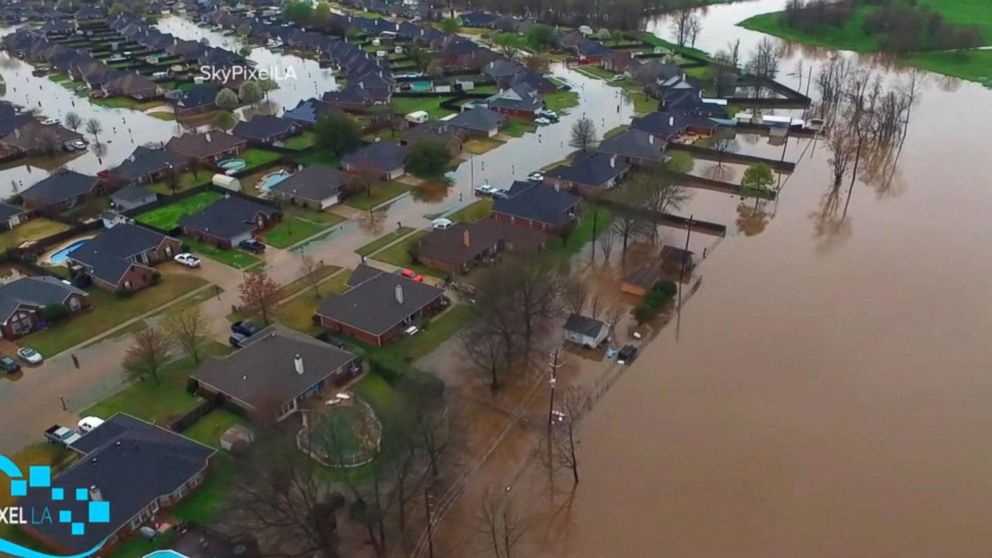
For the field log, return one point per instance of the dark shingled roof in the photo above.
(144, 162)
(591, 170)
(382, 155)
(133, 193)
(132, 463)
(362, 274)
(314, 183)
(60, 186)
(372, 306)
(262, 127)
(7, 211)
(228, 218)
(37, 292)
(264, 373)
(634, 144)
(519, 96)
(204, 144)
(537, 202)
(479, 119)
(578, 323)
(108, 255)
(454, 247)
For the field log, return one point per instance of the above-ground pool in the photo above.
(422, 86)
(273, 178)
(165, 554)
(232, 164)
(58, 257)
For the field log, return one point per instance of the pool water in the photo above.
(270, 180)
(232, 164)
(165, 554)
(59, 257)
(422, 86)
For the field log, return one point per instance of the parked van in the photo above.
(418, 117)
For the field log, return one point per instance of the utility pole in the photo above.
(430, 527)
(552, 381)
(685, 256)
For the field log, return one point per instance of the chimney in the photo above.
(209, 137)
(700, 93)
(399, 293)
(95, 494)
(298, 364)
(671, 120)
(361, 85)
(651, 139)
(613, 162)
(467, 238)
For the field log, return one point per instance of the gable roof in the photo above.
(263, 372)
(108, 256)
(363, 272)
(9, 210)
(635, 144)
(314, 183)
(144, 162)
(479, 119)
(133, 193)
(200, 96)
(205, 144)
(381, 155)
(262, 127)
(433, 130)
(31, 135)
(36, 292)
(132, 463)
(584, 325)
(372, 305)
(63, 185)
(308, 111)
(537, 202)
(465, 242)
(596, 169)
(519, 96)
(228, 218)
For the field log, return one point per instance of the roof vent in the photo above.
(399, 293)
(298, 364)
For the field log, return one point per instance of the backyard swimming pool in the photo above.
(271, 179)
(59, 257)
(165, 554)
(232, 164)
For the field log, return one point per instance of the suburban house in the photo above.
(132, 197)
(121, 257)
(306, 113)
(589, 51)
(197, 100)
(585, 331)
(23, 302)
(33, 138)
(382, 159)
(132, 85)
(139, 468)
(380, 308)
(636, 147)
(478, 122)
(11, 216)
(145, 166)
(229, 221)
(207, 146)
(436, 130)
(317, 187)
(537, 206)
(465, 245)
(274, 373)
(669, 126)
(62, 190)
(518, 100)
(590, 174)
(618, 61)
(267, 130)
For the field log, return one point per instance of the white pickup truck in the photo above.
(62, 436)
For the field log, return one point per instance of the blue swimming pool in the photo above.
(270, 180)
(58, 258)
(165, 554)
(232, 164)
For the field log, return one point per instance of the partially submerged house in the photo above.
(317, 187)
(121, 257)
(24, 303)
(537, 206)
(275, 372)
(132, 85)
(229, 221)
(145, 166)
(436, 130)
(585, 331)
(466, 245)
(207, 147)
(478, 122)
(589, 174)
(62, 190)
(381, 159)
(35, 138)
(636, 147)
(266, 130)
(380, 308)
(519, 100)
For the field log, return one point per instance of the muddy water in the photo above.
(827, 390)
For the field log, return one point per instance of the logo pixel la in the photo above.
(247, 73)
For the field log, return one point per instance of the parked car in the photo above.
(411, 274)
(62, 436)
(30, 356)
(549, 115)
(237, 340)
(485, 189)
(244, 327)
(442, 223)
(253, 246)
(536, 176)
(501, 194)
(627, 354)
(9, 365)
(187, 259)
(542, 121)
(87, 424)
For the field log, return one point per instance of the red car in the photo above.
(413, 275)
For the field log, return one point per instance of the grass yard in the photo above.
(186, 181)
(306, 140)
(598, 72)
(643, 104)
(479, 146)
(399, 255)
(383, 241)
(431, 335)
(33, 230)
(255, 158)
(167, 217)
(475, 212)
(297, 313)
(291, 230)
(208, 429)
(318, 156)
(973, 65)
(238, 259)
(167, 116)
(126, 103)
(380, 195)
(517, 127)
(432, 105)
(562, 101)
(582, 234)
(109, 311)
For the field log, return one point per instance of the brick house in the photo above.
(23, 302)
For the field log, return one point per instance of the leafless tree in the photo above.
(188, 329)
(500, 523)
(684, 21)
(311, 273)
(94, 128)
(584, 135)
(563, 450)
(147, 355)
(492, 343)
(763, 63)
(73, 120)
(575, 294)
(695, 28)
(536, 286)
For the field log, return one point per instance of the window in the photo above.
(74, 304)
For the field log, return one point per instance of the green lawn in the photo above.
(561, 101)
(202, 506)
(432, 105)
(186, 181)
(399, 255)
(318, 156)
(598, 72)
(297, 313)
(380, 194)
(35, 229)
(255, 158)
(209, 429)
(430, 337)
(108, 311)
(581, 235)
(973, 65)
(291, 230)
(517, 127)
(384, 240)
(238, 259)
(126, 103)
(474, 212)
(643, 104)
(306, 140)
(167, 116)
(480, 146)
(167, 217)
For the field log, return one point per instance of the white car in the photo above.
(485, 189)
(30, 356)
(442, 223)
(536, 177)
(78, 145)
(542, 121)
(87, 424)
(501, 194)
(187, 259)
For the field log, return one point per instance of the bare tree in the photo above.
(564, 442)
(695, 28)
(575, 294)
(684, 21)
(94, 128)
(490, 346)
(259, 292)
(500, 523)
(584, 134)
(311, 273)
(146, 356)
(188, 328)
(73, 120)
(723, 145)
(763, 63)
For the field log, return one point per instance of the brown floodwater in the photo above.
(827, 391)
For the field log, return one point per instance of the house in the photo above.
(145, 166)
(317, 187)
(585, 331)
(132, 85)
(207, 146)
(306, 113)
(436, 130)
(478, 122)
(654, 72)
(197, 100)
(589, 51)
(267, 130)
(11, 216)
(669, 126)
(383, 159)
(518, 100)
(33, 138)
(589, 174)
(121, 257)
(25, 302)
(640, 280)
(380, 308)
(131, 197)
(537, 206)
(618, 61)
(477, 19)
(229, 221)
(274, 372)
(636, 147)
(139, 468)
(61, 190)
(465, 245)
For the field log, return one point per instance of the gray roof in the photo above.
(537, 202)
(228, 218)
(132, 463)
(133, 193)
(144, 162)
(108, 255)
(584, 325)
(263, 127)
(372, 306)
(634, 144)
(382, 155)
(7, 211)
(36, 292)
(519, 96)
(263, 372)
(477, 119)
(362, 274)
(61, 186)
(314, 183)
(204, 144)
(596, 169)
